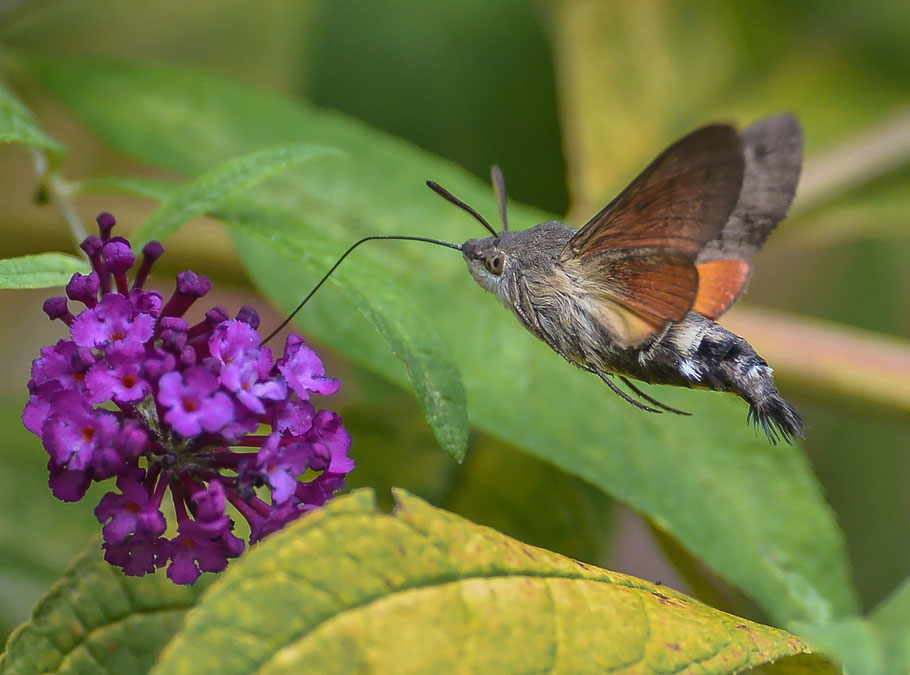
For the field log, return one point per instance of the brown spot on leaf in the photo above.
(664, 600)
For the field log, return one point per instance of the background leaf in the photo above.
(891, 619)
(96, 619)
(877, 645)
(18, 126)
(429, 364)
(753, 512)
(216, 186)
(43, 270)
(452, 593)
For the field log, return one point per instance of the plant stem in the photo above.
(59, 194)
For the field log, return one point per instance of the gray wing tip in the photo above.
(783, 126)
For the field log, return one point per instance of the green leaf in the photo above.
(152, 188)
(851, 641)
(18, 126)
(877, 645)
(222, 183)
(96, 619)
(753, 512)
(353, 589)
(43, 270)
(409, 333)
(891, 620)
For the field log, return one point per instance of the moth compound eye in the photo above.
(495, 264)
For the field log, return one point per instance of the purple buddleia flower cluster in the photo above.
(140, 395)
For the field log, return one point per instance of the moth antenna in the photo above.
(499, 185)
(449, 197)
(344, 255)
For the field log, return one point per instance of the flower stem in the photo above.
(59, 194)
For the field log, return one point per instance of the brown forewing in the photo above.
(659, 288)
(679, 202)
(640, 250)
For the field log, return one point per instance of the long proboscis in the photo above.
(344, 255)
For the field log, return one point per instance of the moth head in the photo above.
(488, 261)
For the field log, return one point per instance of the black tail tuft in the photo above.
(777, 418)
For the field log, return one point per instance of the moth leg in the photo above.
(580, 366)
(527, 323)
(619, 392)
(624, 396)
(650, 400)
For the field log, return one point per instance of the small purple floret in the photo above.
(248, 315)
(106, 222)
(197, 408)
(303, 370)
(56, 308)
(84, 288)
(194, 402)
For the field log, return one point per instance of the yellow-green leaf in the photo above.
(353, 589)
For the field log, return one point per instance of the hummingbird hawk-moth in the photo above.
(635, 292)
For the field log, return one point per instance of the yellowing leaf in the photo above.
(353, 589)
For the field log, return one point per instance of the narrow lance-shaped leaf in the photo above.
(753, 512)
(409, 333)
(352, 589)
(18, 126)
(43, 270)
(152, 188)
(221, 183)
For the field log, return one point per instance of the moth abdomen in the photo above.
(777, 417)
(702, 354)
(734, 365)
